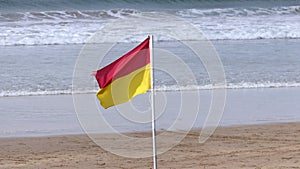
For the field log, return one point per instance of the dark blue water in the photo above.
(54, 5)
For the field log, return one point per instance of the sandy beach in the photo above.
(256, 146)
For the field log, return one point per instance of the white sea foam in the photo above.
(38, 93)
(76, 27)
(244, 85)
(162, 88)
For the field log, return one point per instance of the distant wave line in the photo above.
(161, 88)
(135, 41)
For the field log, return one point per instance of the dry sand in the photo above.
(258, 146)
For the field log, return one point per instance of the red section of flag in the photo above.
(128, 63)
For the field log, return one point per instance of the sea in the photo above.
(40, 40)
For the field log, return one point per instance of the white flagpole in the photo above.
(152, 103)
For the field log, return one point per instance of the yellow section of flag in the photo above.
(125, 88)
(126, 77)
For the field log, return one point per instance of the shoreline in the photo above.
(80, 134)
(251, 146)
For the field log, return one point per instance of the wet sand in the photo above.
(256, 146)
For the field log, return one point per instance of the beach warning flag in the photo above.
(126, 77)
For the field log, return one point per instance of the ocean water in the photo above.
(40, 40)
(48, 69)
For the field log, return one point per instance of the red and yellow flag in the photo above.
(126, 77)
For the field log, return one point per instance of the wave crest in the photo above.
(240, 12)
(62, 15)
